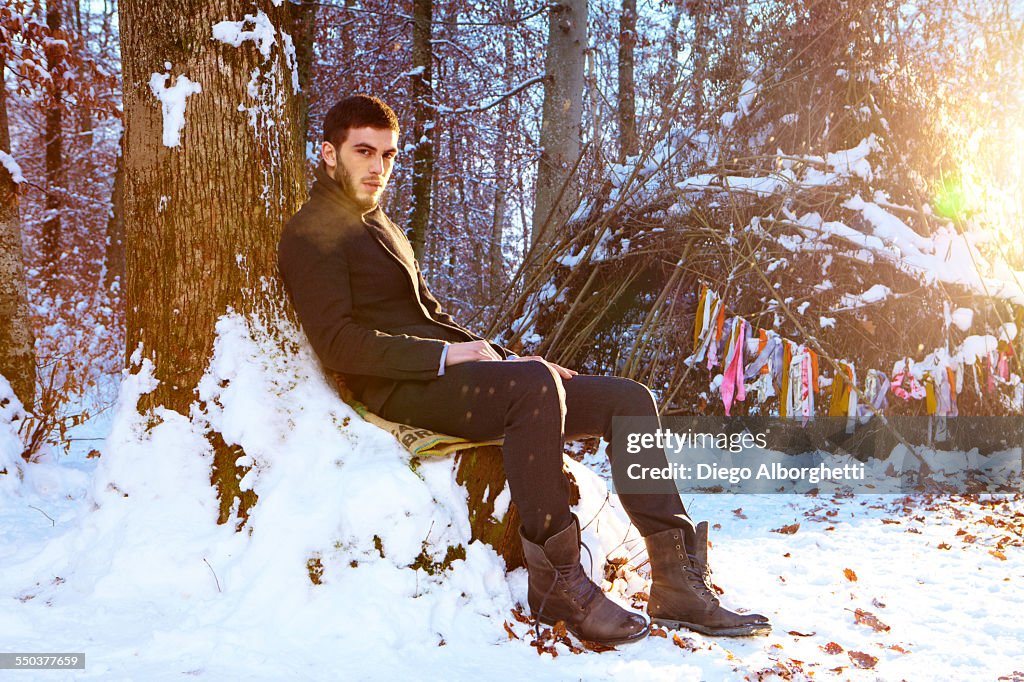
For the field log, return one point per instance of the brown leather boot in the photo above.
(560, 590)
(681, 591)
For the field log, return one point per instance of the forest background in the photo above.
(618, 186)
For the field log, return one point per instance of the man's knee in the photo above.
(633, 398)
(534, 382)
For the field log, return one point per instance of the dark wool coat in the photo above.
(360, 296)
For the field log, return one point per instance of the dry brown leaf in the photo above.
(871, 620)
(832, 648)
(850, 575)
(739, 512)
(944, 545)
(658, 632)
(787, 530)
(861, 659)
(897, 647)
(518, 614)
(684, 643)
(596, 646)
(511, 633)
(997, 554)
(802, 634)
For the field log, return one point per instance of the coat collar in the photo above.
(327, 187)
(377, 224)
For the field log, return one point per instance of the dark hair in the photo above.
(357, 111)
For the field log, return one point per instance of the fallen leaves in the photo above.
(862, 660)
(802, 634)
(871, 620)
(511, 633)
(850, 575)
(787, 530)
(945, 545)
(739, 513)
(997, 554)
(832, 648)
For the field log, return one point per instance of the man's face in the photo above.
(362, 164)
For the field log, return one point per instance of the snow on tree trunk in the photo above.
(560, 129)
(17, 356)
(214, 156)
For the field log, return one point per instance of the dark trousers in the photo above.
(537, 411)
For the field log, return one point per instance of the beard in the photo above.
(353, 189)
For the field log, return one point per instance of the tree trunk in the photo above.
(560, 133)
(17, 354)
(628, 142)
(204, 204)
(114, 252)
(53, 142)
(495, 259)
(85, 122)
(423, 124)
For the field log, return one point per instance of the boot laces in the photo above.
(701, 580)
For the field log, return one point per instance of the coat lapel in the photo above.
(398, 247)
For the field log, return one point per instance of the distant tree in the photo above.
(53, 135)
(423, 124)
(560, 129)
(214, 165)
(628, 141)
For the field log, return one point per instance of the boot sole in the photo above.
(605, 642)
(739, 631)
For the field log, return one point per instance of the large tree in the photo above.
(214, 165)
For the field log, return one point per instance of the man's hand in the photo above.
(562, 371)
(469, 351)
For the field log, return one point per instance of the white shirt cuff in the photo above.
(444, 356)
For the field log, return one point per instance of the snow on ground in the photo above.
(120, 557)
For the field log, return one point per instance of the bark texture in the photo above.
(560, 129)
(17, 352)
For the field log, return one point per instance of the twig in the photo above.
(52, 522)
(214, 574)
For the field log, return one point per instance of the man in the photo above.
(366, 309)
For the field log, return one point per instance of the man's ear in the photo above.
(329, 154)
